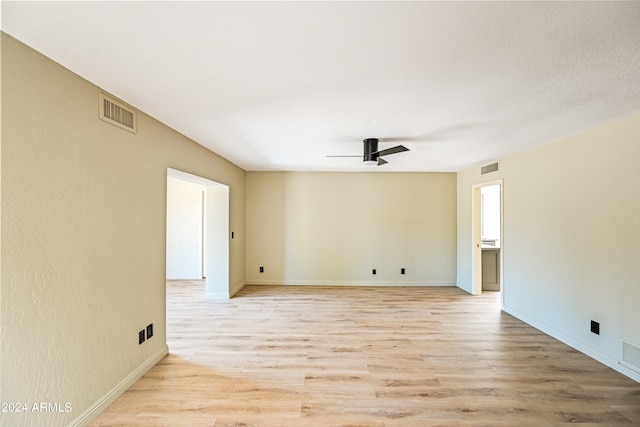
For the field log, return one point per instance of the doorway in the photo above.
(185, 230)
(207, 219)
(487, 237)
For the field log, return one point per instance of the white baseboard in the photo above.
(225, 295)
(347, 283)
(582, 348)
(464, 287)
(98, 407)
(234, 290)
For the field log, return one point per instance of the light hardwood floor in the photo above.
(365, 356)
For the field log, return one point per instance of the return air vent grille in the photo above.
(631, 356)
(493, 167)
(116, 113)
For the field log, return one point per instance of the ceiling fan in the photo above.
(372, 154)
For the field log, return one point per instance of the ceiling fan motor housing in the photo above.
(370, 147)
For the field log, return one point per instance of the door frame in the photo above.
(216, 233)
(476, 238)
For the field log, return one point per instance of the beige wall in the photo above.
(571, 237)
(334, 228)
(83, 237)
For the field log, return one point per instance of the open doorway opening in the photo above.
(198, 231)
(488, 239)
(490, 236)
(185, 229)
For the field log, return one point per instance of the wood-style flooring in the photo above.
(365, 356)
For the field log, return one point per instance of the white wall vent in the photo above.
(631, 356)
(117, 113)
(493, 167)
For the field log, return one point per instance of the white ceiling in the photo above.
(281, 85)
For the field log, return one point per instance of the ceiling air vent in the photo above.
(493, 167)
(117, 113)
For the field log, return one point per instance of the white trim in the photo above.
(476, 243)
(348, 283)
(589, 351)
(476, 246)
(225, 295)
(194, 179)
(234, 290)
(462, 287)
(101, 404)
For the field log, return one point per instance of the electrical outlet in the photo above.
(141, 337)
(149, 330)
(261, 269)
(595, 327)
(374, 271)
(232, 234)
(402, 271)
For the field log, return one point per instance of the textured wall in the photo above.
(334, 228)
(571, 237)
(83, 237)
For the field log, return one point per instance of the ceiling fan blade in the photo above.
(433, 135)
(381, 161)
(397, 139)
(392, 150)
